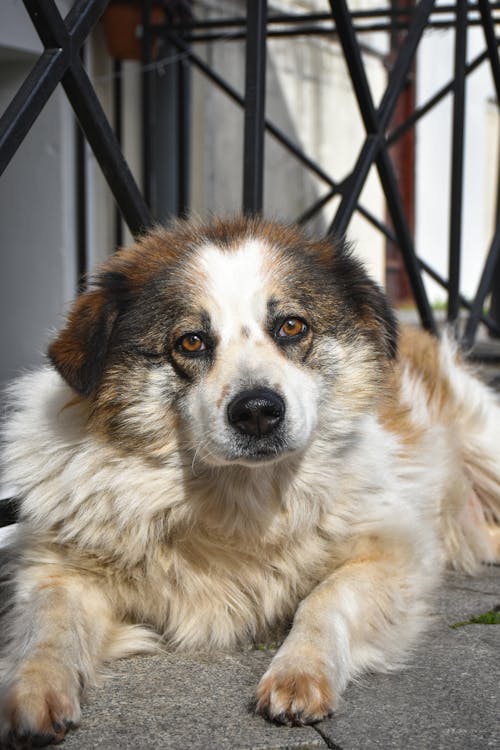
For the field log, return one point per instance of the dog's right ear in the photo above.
(79, 351)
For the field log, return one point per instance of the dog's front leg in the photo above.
(363, 616)
(58, 628)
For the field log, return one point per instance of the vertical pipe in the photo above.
(81, 203)
(457, 159)
(183, 137)
(147, 79)
(255, 92)
(81, 209)
(495, 281)
(117, 126)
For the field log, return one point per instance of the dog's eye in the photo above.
(291, 328)
(191, 343)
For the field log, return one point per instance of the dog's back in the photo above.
(440, 390)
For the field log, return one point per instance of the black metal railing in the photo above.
(61, 62)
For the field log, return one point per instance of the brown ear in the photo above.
(79, 351)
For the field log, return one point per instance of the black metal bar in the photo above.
(486, 319)
(106, 149)
(147, 114)
(50, 26)
(325, 31)
(457, 160)
(53, 32)
(300, 18)
(183, 137)
(337, 187)
(61, 48)
(29, 101)
(375, 123)
(255, 97)
(82, 17)
(238, 99)
(316, 207)
(434, 100)
(118, 128)
(483, 289)
(495, 282)
(491, 42)
(81, 209)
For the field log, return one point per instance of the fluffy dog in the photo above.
(228, 439)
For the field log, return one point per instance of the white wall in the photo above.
(481, 164)
(38, 195)
(37, 210)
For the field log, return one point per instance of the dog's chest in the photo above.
(215, 592)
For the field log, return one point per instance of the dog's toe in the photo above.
(34, 715)
(294, 697)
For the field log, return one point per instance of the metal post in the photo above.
(117, 126)
(183, 137)
(255, 92)
(147, 95)
(457, 159)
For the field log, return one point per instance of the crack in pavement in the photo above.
(329, 743)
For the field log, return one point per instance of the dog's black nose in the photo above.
(256, 412)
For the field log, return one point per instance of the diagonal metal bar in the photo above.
(233, 94)
(29, 101)
(434, 100)
(53, 32)
(483, 289)
(491, 43)
(106, 149)
(48, 69)
(255, 91)
(82, 18)
(280, 137)
(375, 123)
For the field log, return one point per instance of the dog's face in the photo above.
(237, 342)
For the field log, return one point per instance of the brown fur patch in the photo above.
(395, 416)
(419, 351)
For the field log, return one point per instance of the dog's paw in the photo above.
(294, 696)
(37, 709)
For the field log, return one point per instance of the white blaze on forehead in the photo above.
(235, 286)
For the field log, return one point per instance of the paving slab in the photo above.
(179, 702)
(447, 696)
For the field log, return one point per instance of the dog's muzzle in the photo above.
(257, 412)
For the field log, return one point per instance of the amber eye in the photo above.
(292, 327)
(191, 343)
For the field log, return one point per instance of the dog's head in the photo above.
(238, 341)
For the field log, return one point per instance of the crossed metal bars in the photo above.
(61, 62)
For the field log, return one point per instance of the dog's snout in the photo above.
(256, 412)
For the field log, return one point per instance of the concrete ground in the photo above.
(447, 696)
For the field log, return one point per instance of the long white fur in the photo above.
(347, 535)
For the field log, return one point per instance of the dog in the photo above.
(232, 437)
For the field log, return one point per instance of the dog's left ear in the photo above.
(79, 351)
(367, 300)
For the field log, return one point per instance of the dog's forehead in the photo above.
(237, 281)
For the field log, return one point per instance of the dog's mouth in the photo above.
(259, 454)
